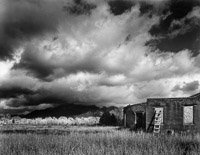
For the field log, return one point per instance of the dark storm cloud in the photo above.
(174, 19)
(189, 40)
(146, 8)
(40, 96)
(34, 62)
(187, 87)
(118, 7)
(80, 7)
(177, 10)
(13, 92)
(26, 19)
(34, 100)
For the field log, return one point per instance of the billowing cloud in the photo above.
(190, 86)
(24, 20)
(102, 53)
(178, 28)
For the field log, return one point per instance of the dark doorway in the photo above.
(140, 121)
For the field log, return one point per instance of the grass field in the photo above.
(93, 141)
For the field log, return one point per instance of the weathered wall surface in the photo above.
(173, 113)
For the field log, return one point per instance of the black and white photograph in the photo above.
(99, 77)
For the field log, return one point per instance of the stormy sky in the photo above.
(96, 52)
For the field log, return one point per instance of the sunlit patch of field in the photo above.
(53, 129)
(96, 141)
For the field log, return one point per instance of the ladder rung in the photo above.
(157, 121)
(156, 132)
(157, 128)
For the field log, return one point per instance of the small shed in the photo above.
(135, 116)
(177, 114)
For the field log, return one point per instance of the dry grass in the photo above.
(97, 141)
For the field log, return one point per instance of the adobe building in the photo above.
(177, 114)
(135, 116)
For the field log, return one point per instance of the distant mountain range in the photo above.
(71, 110)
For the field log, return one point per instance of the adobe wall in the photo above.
(173, 113)
(130, 115)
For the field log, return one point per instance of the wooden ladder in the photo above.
(157, 122)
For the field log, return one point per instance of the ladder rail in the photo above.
(157, 122)
(150, 124)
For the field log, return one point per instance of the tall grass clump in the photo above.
(108, 142)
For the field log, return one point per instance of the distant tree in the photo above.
(108, 119)
(8, 116)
